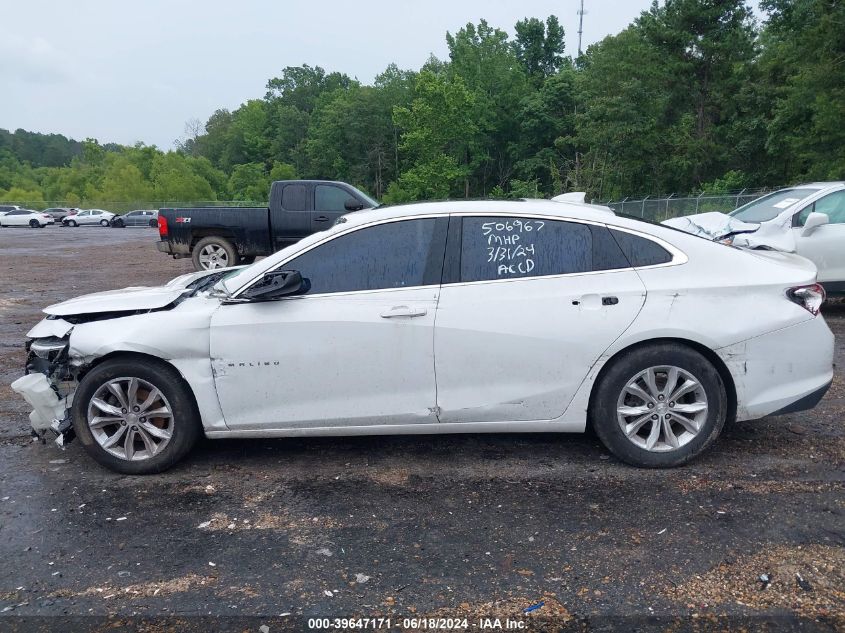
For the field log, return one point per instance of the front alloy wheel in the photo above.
(130, 418)
(135, 415)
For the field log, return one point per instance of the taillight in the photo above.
(810, 298)
(162, 227)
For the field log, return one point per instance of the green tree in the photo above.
(803, 61)
(439, 134)
(539, 47)
(249, 182)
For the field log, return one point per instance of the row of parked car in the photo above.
(13, 215)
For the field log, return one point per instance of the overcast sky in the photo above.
(137, 71)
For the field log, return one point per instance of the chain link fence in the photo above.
(655, 208)
(661, 208)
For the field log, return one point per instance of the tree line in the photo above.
(693, 95)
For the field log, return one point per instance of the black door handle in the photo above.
(321, 218)
(609, 301)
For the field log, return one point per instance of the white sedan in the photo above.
(451, 317)
(26, 217)
(89, 216)
(806, 219)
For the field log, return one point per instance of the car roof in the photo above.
(563, 210)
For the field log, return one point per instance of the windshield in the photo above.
(770, 206)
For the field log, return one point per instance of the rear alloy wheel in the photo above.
(34, 224)
(659, 406)
(104, 222)
(211, 253)
(135, 417)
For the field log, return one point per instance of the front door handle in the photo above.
(609, 301)
(403, 311)
(321, 218)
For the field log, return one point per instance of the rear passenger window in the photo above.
(293, 198)
(641, 251)
(512, 248)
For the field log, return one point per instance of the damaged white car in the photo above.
(452, 317)
(806, 219)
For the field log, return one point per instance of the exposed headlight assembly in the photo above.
(48, 347)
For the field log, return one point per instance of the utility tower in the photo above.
(580, 26)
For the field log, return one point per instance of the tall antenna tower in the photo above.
(580, 26)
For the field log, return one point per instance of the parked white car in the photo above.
(448, 317)
(89, 216)
(806, 219)
(26, 217)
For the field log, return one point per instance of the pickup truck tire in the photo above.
(214, 252)
(136, 416)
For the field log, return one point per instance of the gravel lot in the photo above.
(452, 526)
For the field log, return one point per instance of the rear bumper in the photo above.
(806, 403)
(782, 371)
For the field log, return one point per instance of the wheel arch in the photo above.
(142, 357)
(709, 354)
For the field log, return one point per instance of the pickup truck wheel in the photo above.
(214, 252)
(135, 416)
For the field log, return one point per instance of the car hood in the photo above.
(131, 299)
(127, 299)
(720, 226)
(713, 225)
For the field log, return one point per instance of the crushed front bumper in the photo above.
(48, 386)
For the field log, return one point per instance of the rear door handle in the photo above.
(403, 311)
(321, 218)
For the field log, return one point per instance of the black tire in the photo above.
(215, 242)
(118, 224)
(605, 398)
(154, 223)
(34, 224)
(186, 426)
(104, 222)
(72, 223)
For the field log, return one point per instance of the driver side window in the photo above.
(832, 205)
(399, 254)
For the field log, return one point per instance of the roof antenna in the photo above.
(580, 26)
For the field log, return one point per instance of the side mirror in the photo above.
(276, 284)
(814, 221)
(352, 204)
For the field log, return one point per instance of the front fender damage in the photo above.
(61, 351)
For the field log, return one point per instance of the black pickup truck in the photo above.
(217, 237)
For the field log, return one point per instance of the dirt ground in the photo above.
(272, 533)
